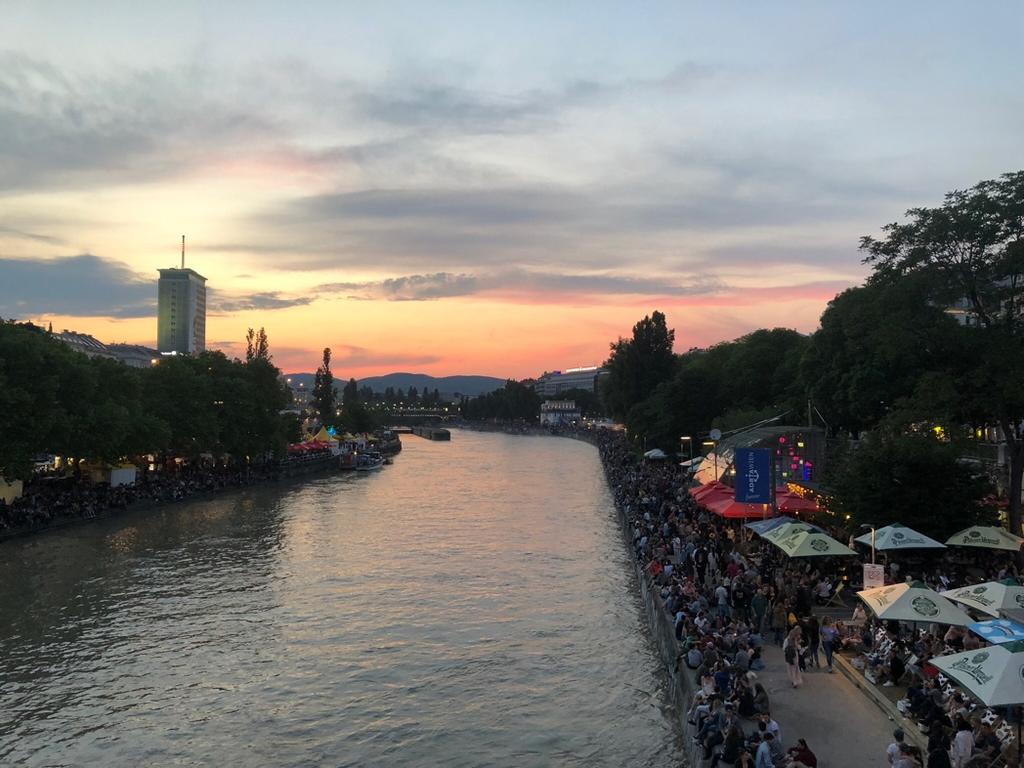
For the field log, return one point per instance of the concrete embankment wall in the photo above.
(679, 685)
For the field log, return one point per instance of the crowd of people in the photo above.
(53, 498)
(729, 593)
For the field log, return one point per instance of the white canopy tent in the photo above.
(899, 537)
(992, 597)
(806, 543)
(913, 602)
(986, 537)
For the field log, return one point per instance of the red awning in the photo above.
(790, 502)
(713, 487)
(730, 508)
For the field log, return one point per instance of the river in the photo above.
(470, 605)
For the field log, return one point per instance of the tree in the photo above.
(639, 364)
(915, 474)
(324, 396)
(515, 401)
(350, 394)
(970, 250)
(588, 402)
(876, 345)
(414, 396)
(256, 345)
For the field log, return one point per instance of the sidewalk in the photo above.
(842, 726)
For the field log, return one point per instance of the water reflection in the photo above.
(470, 605)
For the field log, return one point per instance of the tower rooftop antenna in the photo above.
(182, 251)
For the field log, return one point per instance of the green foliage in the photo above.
(639, 364)
(588, 402)
(911, 478)
(515, 401)
(350, 394)
(969, 252)
(256, 345)
(357, 418)
(756, 374)
(324, 396)
(56, 400)
(875, 344)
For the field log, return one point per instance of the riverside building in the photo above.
(552, 383)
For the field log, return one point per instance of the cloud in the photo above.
(408, 288)
(84, 285)
(33, 236)
(468, 228)
(540, 284)
(91, 286)
(64, 129)
(70, 129)
(266, 300)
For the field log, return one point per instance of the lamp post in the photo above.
(865, 525)
(689, 440)
(713, 444)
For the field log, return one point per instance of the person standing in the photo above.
(759, 606)
(779, 619)
(828, 640)
(722, 600)
(791, 652)
(963, 744)
(813, 636)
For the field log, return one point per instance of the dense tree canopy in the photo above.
(639, 364)
(514, 401)
(755, 373)
(913, 479)
(56, 400)
(969, 253)
(875, 347)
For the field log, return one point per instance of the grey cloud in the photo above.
(34, 236)
(91, 286)
(64, 130)
(771, 253)
(463, 230)
(446, 285)
(407, 288)
(80, 285)
(267, 300)
(67, 129)
(429, 105)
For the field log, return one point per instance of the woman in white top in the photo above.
(963, 744)
(791, 653)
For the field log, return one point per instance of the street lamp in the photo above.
(865, 525)
(713, 445)
(689, 440)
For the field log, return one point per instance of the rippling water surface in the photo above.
(469, 605)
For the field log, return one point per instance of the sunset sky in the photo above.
(487, 188)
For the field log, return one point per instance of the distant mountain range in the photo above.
(447, 385)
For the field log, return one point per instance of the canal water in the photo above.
(471, 605)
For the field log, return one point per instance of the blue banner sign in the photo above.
(753, 475)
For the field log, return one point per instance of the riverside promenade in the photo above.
(842, 726)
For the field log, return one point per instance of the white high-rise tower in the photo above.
(181, 322)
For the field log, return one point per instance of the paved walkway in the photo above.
(842, 726)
